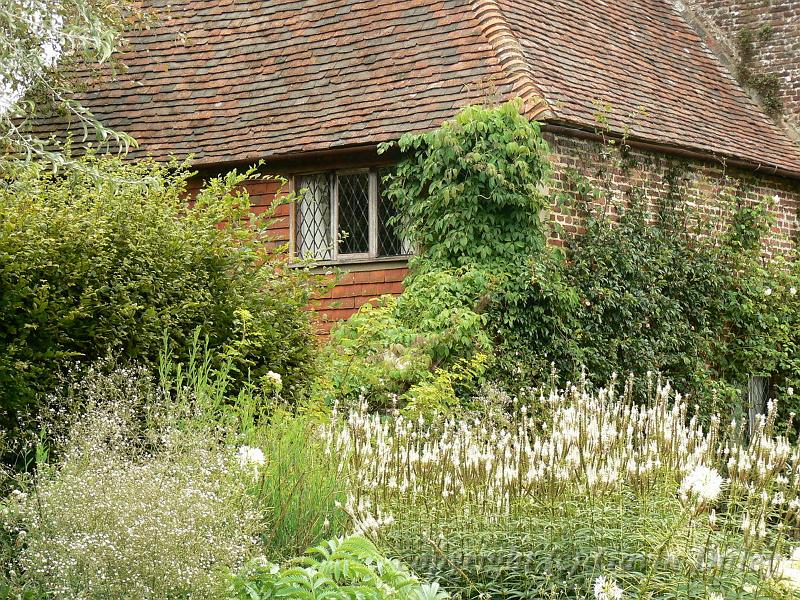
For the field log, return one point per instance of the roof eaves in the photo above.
(578, 130)
(511, 58)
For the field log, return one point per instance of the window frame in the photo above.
(372, 219)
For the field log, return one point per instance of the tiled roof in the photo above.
(235, 80)
(643, 59)
(244, 79)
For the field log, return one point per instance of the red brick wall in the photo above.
(355, 289)
(701, 184)
(262, 195)
(778, 54)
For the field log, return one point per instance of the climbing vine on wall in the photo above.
(645, 284)
(765, 85)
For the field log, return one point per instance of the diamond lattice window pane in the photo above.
(389, 242)
(314, 218)
(353, 231)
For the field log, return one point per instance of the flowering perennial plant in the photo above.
(136, 505)
(640, 493)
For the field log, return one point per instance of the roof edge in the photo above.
(726, 160)
(511, 57)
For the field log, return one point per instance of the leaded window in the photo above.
(314, 217)
(341, 216)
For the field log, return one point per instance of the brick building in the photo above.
(313, 86)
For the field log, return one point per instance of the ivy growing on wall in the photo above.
(765, 85)
(642, 286)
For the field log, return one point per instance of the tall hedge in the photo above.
(116, 262)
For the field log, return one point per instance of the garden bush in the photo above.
(342, 569)
(641, 286)
(386, 349)
(469, 197)
(663, 288)
(133, 508)
(112, 258)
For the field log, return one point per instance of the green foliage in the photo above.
(162, 487)
(469, 197)
(444, 306)
(663, 291)
(641, 287)
(470, 192)
(89, 265)
(134, 496)
(766, 85)
(649, 296)
(42, 47)
(590, 485)
(383, 350)
(441, 392)
(372, 354)
(341, 569)
(298, 485)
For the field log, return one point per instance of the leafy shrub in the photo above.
(341, 569)
(470, 192)
(671, 292)
(469, 197)
(642, 286)
(384, 350)
(92, 263)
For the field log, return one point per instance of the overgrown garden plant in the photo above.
(641, 286)
(580, 494)
(164, 487)
(114, 264)
(664, 288)
(469, 197)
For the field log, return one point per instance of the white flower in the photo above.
(250, 456)
(606, 589)
(793, 290)
(768, 292)
(702, 483)
(776, 198)
(274, 377)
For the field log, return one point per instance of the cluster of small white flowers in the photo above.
(598, 442)
(595, 439)
(367, 520)
(274, 379)
(115, 521)
(249, 457)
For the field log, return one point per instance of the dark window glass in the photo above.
(389, 242)
(354, 213)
